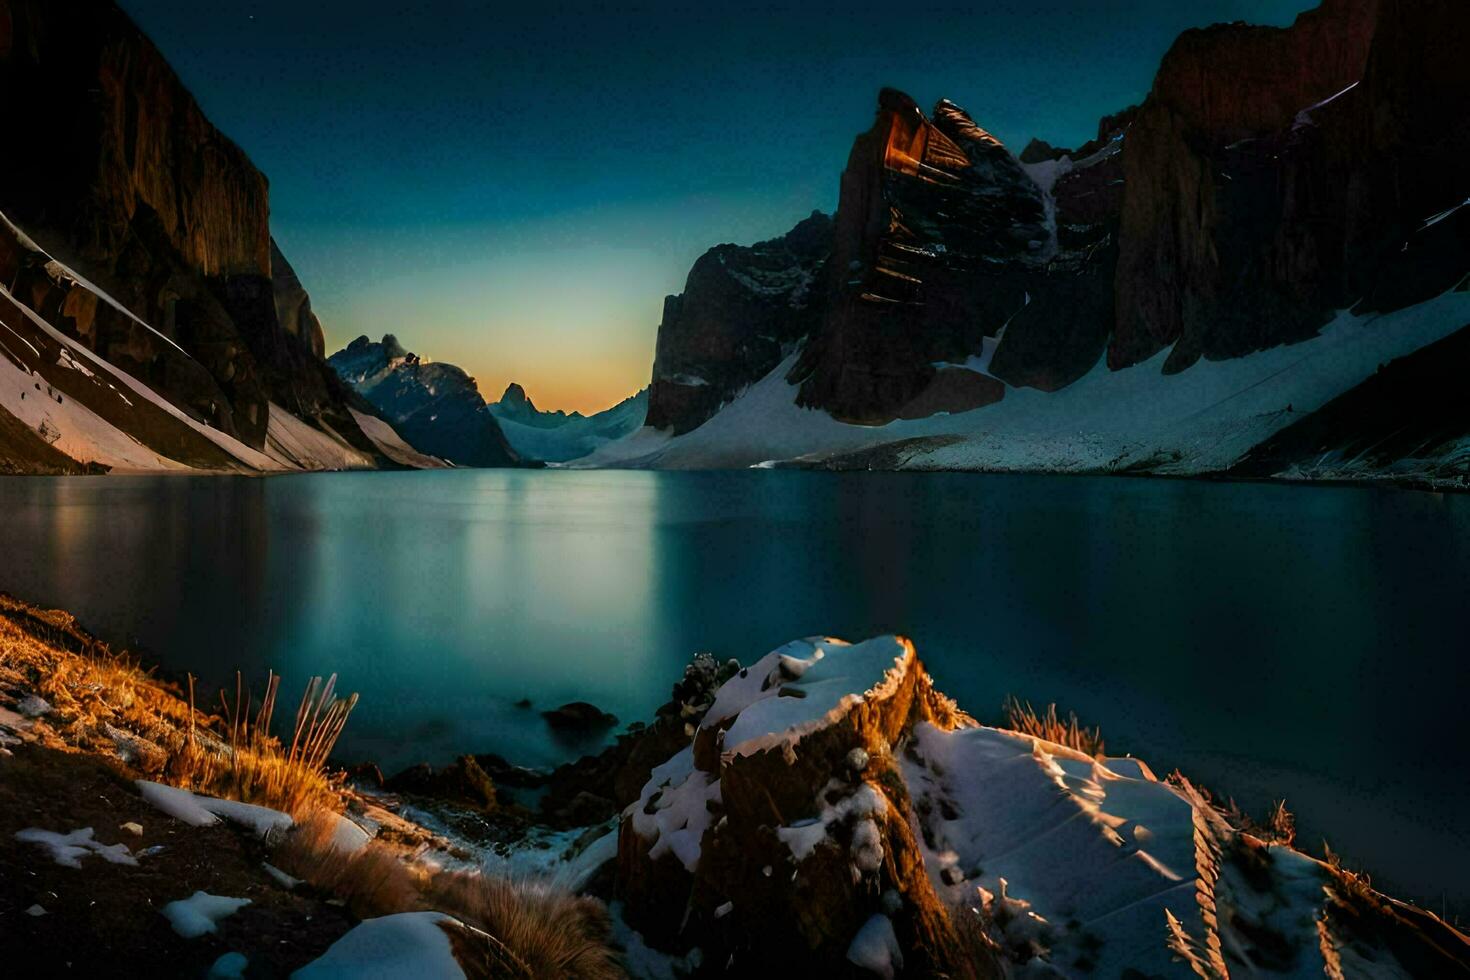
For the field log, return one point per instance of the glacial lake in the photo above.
(1270, 641)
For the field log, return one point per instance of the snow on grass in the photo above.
(802, 694)
(875, 948)
(68, 850)
(409, 944)
(347, 837)
(197, 810)
(1200, 420)
(281, 878)
(200, 913)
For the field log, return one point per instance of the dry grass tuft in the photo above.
(1021, 717)
(105, 704)
(531, 929)
(251, 764)
(374, 880)
(547, 930)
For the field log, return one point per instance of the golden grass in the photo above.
(105, 703)
(546, 930)
(522, 929)
(531, 929)
(1023, 718)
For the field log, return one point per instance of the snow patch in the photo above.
(197, 810)
(875, 948)
(391, 947)
(672, 809)
(68, 850)
(200, 913)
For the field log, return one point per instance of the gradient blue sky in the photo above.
(516, 191)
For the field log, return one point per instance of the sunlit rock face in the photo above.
(436, 407)
(112, 167)
(742, 310)
(939, 231)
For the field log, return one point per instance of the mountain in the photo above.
(1210, 284)
(436, 406)
(556, 437)
(150, 321)
(742, 310)
(516, 406)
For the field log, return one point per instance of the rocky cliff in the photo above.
(741, 311)
(114, 171)
(1273, 179)
(436, 406)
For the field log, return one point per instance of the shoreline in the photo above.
(467, 812)
(1455, 486)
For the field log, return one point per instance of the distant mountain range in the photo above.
(438, 407)
(556, 437)
(1262, 270)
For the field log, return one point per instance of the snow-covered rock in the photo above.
(836, 811)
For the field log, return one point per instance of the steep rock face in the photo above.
(1064, 325)
(436, 407)
(1256, 194)
(939, 232)
(836, 816)
(116, 171)
(741, 309)
(293, 305)
(516, 405)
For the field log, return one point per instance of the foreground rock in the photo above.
(835, 815)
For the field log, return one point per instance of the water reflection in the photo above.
(1268, 640)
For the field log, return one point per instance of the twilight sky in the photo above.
(515, 191)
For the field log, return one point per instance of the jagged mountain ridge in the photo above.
(137, 232)
(558, 436)
(1273, 178)
(436, 406)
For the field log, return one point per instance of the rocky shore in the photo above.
(823, 811)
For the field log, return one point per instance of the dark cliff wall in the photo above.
(112, 166)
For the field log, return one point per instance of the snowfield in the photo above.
(1200, 420)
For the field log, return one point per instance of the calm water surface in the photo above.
(1270, 641)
